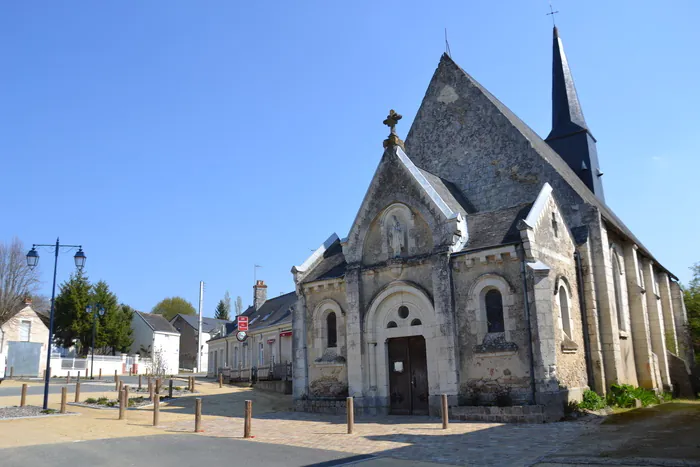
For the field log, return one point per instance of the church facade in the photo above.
(484, 264)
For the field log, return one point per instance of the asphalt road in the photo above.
(37, 387)
(171, 450)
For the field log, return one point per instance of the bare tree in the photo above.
(17, 280)
(239, 305)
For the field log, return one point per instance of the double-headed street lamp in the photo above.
(98, 309)
(32, 261)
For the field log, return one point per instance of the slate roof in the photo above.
(275, 311)
(208, 324)
(157, 323)
(332, 266)
(494, 228)
(550, 156)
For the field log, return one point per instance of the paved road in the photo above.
(180, 450)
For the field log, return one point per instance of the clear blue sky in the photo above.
(181, 141)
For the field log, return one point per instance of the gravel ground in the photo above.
(14, 412)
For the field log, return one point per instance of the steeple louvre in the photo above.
(570, 136)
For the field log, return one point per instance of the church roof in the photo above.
(441, 136)
(487, 229)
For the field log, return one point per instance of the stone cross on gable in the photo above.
(391, 120)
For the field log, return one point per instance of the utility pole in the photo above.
(199, 329)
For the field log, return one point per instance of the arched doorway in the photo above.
(400, 335)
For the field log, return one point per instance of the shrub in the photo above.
(91, 400)
(624, 396)
(591, 401)
(666, 397)
(102, 400)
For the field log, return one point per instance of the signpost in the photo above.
(243, 323)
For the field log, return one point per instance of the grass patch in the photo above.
(91, 400)
(49, 411)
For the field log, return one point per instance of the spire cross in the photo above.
(552, 13)
(391, 120)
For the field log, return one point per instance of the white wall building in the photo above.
(155, 337)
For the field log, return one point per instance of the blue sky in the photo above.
(181, 141)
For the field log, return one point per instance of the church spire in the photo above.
(570, 135)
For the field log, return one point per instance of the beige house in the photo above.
(23, 340)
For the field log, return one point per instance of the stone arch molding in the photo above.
(476, 305)
(401, 214)
(384, 308)
(322, 310)
(563, 282)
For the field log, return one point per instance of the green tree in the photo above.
(221, 312)
(114, 327)
(72, 324)
(691, 294)
(172, 306)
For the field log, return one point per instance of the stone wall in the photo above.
(516, 414)
(329, 406)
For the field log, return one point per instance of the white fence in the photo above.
(106, 364)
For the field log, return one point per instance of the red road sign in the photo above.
(243, 323)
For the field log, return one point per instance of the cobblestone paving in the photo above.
(414, 438)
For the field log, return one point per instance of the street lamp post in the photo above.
(32, 261)
(98, 309)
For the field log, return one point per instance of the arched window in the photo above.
(618, 292)
(564, 309)
(494, 311)
(332, 331)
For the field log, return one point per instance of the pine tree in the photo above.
(72, 323)
(221, 312)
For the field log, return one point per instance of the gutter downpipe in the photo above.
(529, 323)
(584, 320)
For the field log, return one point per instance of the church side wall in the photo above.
(327, 367)
(555, 247)
(487, 364)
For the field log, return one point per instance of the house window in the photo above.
(261, 357)
(564, 309)
(494, 311)
(25, 330)
(332, 330)
(618, 292)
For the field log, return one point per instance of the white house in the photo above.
(23, 340)
(188, 326)
(156, 338)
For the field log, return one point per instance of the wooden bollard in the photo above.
(170, 389)
(120, 386)
(350, 409)
(23, 400)
(121, 405)
(116, 383)
(248, 418)
(156, 410)
(12, 372)
(445, 413)
(68, 378)
(115, 376)
(64, 396)
(43, 374)
(198, 415)
(139, 382)
(126, 395)
(100, 373)
(221, 380)
(131, 371)
(150, 390)
(77, 392)
(192, 383)
(157, 385)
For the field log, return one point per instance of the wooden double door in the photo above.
(408, 376)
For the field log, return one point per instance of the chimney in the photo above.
(28, 301)
(259, 294)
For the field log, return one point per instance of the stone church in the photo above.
(485, 264)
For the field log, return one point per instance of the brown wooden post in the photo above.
(12, 372)
(350, 409)
(126, 396)
(23, 400)
(150, 389)
(170, 389)
(131, 370)
(100, 373)
(445, 413)
(139, 382)
(68, 378)
(190, 383)
(77, 392)
(78, 380)
(156, 410)
(43, 374)
(198, 415)
(157, 385)
(116, 383)
(64, 396)
(121, 404)
(194, 381)
(248, 418)
(221, 380)
(115, 376)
